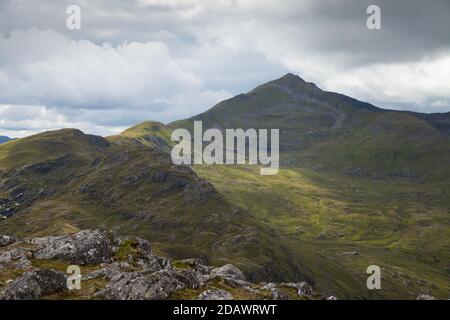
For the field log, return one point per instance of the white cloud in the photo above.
(86, 80)
(170, 59)
(409, 82)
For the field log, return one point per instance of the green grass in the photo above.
(401, 226)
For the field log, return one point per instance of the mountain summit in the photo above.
(333, 132)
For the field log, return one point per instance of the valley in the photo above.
(357, 185)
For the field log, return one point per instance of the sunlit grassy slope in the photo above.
(401, 226)
(65, 180)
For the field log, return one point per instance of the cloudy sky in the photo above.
(165, 60)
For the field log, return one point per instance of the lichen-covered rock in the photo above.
(228, 271)
(35, 284)
(85, 247)
(6, 240)
(129, 268)
(425, 297)
(107, 271)
(215, 294)
(18, 257)
(154, 286)
(278, 294)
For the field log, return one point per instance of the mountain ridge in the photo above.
(358, 185)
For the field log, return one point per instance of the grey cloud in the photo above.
(166, 60)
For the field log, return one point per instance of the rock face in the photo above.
(123, 269)
(35, 284)
(85, 247)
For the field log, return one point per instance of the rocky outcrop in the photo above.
(35, 284)
(148, 286)
(228, 271)
(85, 247)
(17, 258)
(6, 240)
(124, 269)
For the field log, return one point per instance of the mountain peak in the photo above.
(291, 77)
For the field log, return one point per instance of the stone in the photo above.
(35, 284)
(425, 297)
(215, 294)
(85, 247)
(155, 286)
(303, 289)
(278, 294)
(6, 240)
(228, 271)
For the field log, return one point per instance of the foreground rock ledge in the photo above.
(121, 268)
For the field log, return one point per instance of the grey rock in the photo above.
(425, 297)
(228, 271)
(303, 289)
(13, 255)
(215, 294)
(236, 283)
(85, 247)
(278, 294)
(269, 286)
(6, 240)
(35, 284)
(107, 271)
(154, 286)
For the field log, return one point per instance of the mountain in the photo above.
(359, 185)
(332, 132)
(62, 181)
(4, 139)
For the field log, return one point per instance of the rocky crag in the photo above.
(122, 268)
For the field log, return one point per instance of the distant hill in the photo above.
(359, 185)
(4, 139)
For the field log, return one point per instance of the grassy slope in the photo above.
(149, 133)
(400, 226)
(136, 190)
(396, 223)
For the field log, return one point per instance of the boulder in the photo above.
(154, 286)
(425, 297)
(85, 247)
(35, 284)
(215, 294)
(16, 256)
(278, 294)
(6, 240)
(303, 289)
(228, 271)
